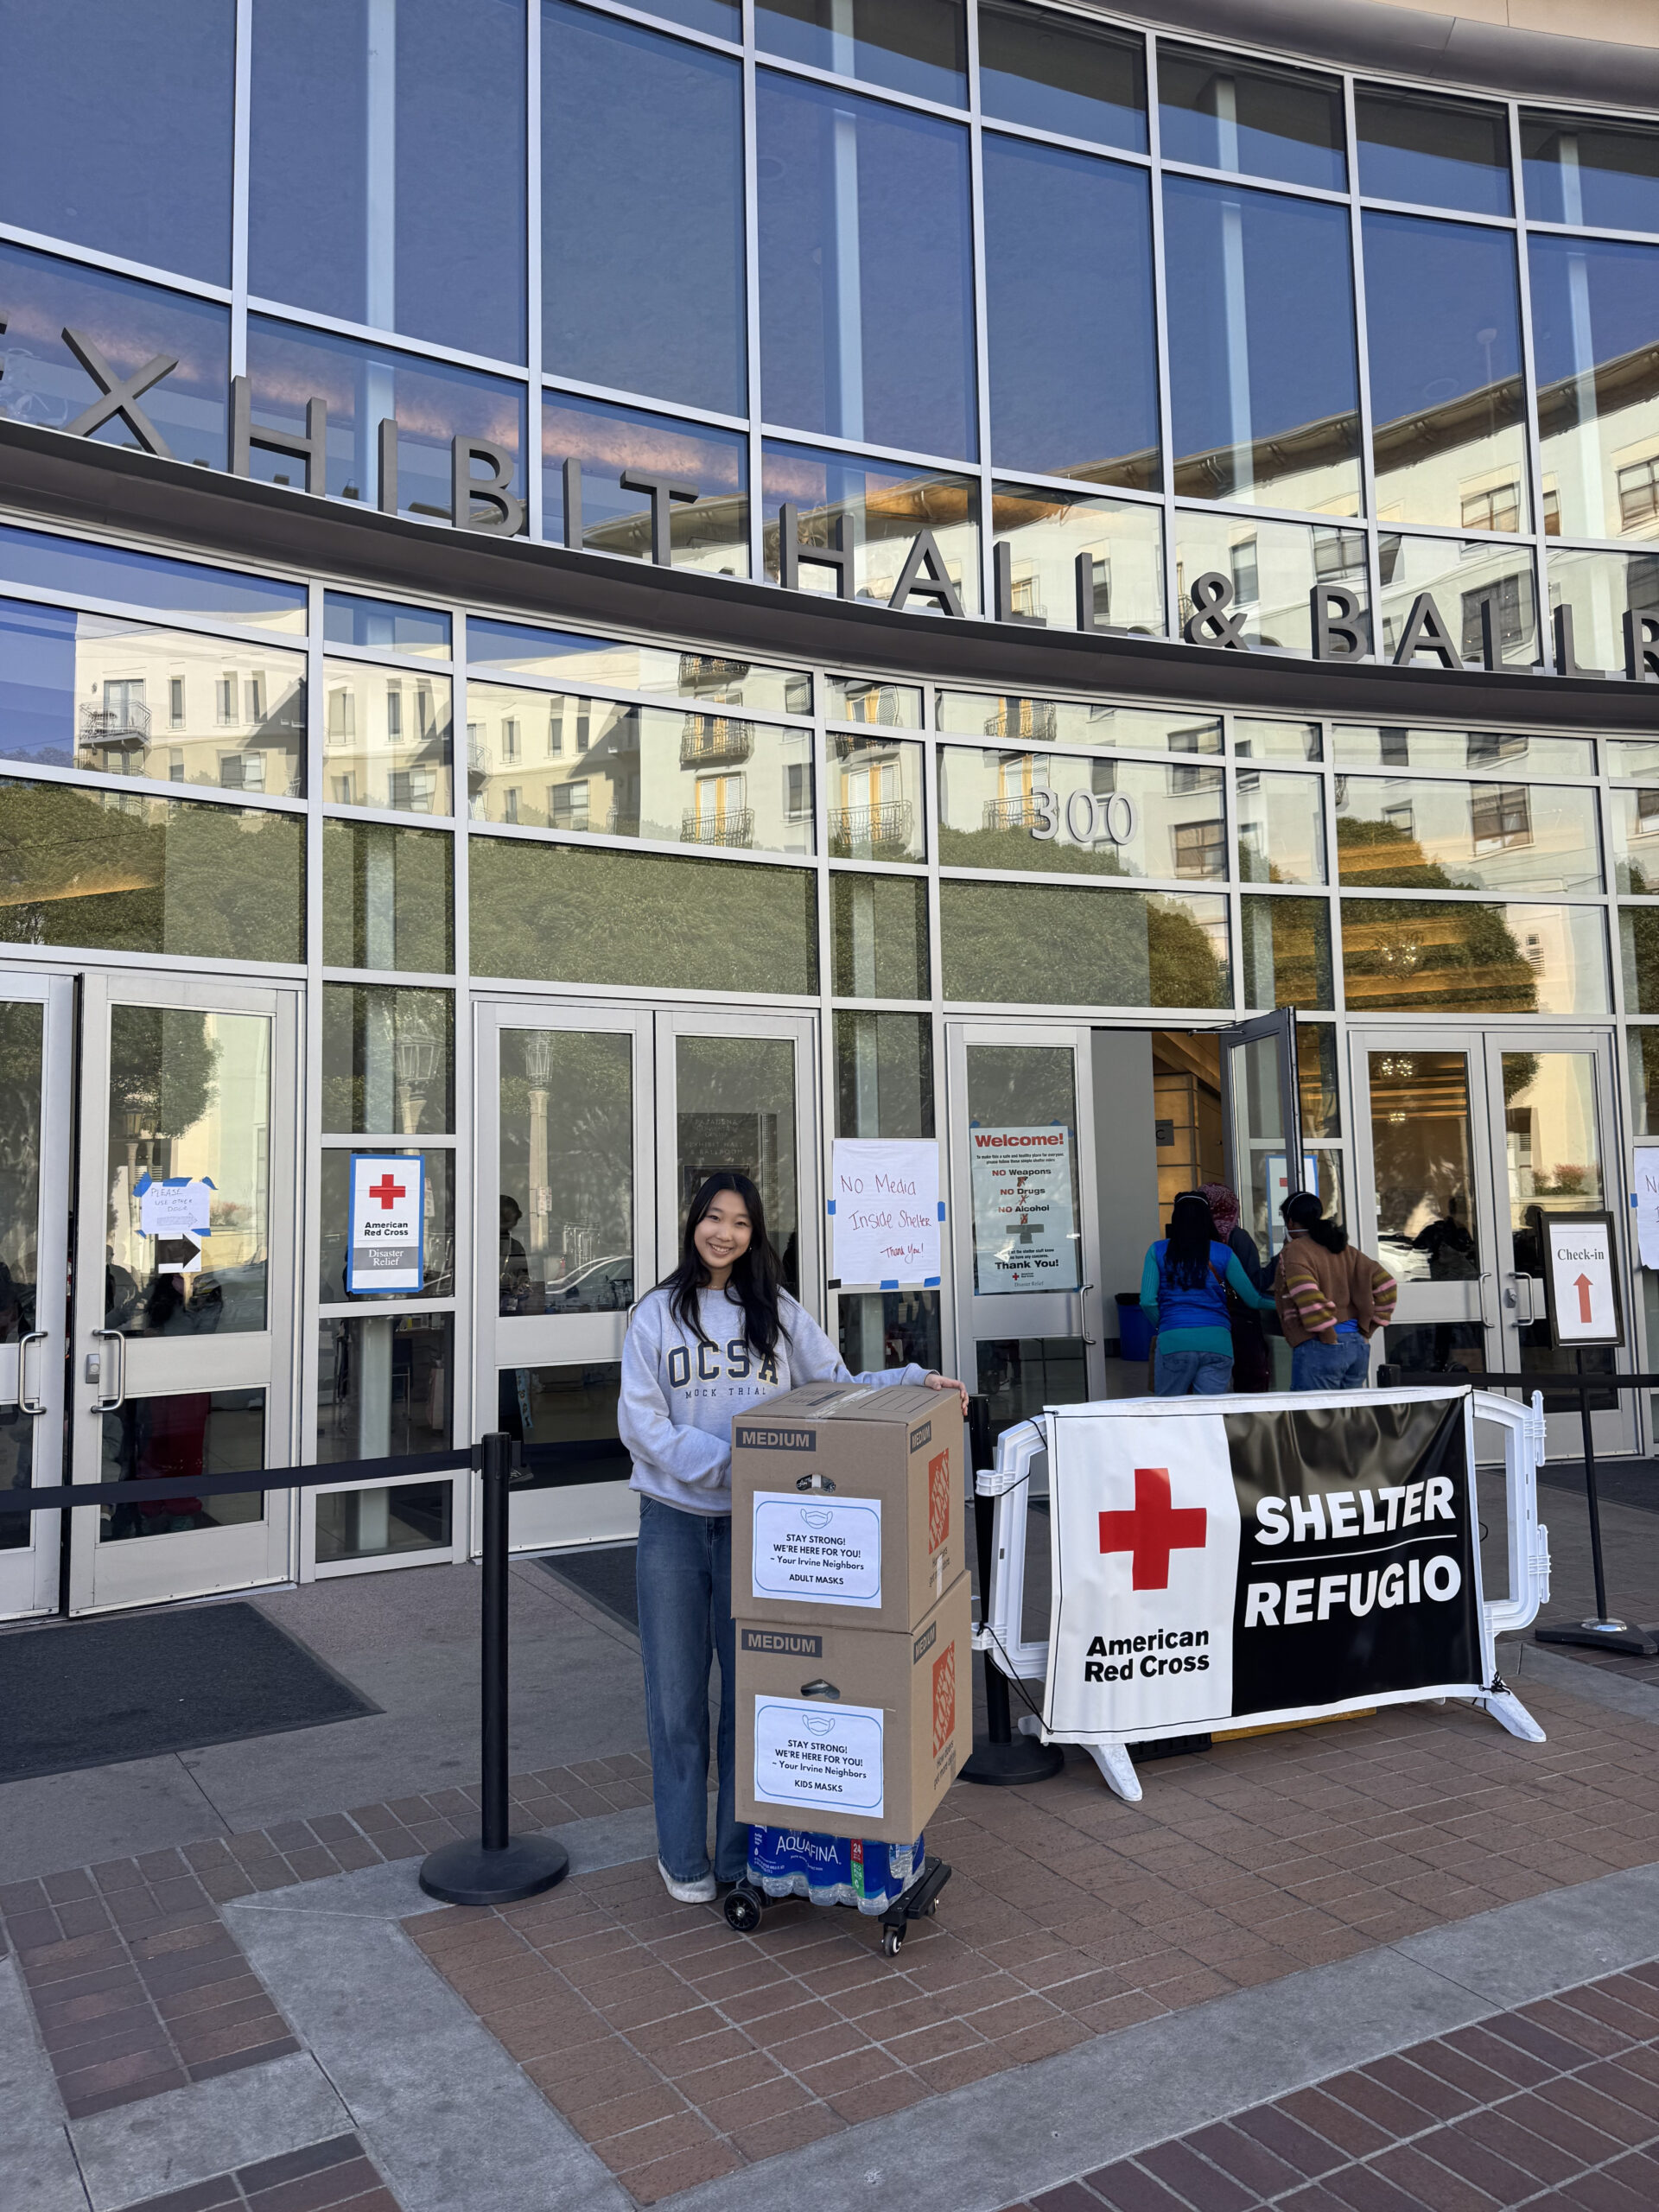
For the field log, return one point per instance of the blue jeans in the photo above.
(1344, 1365)
(683, 1572)
(1205, 1374)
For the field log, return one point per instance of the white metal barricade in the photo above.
(1022, 1456)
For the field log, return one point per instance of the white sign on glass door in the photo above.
(1644, 1198)
(1025, 1226)
(1581, 1277)
(386, 1251)
(1279, 1191)
(174, 1211)
(884, 1208)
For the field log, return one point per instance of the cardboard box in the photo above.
(846, 1729)
(848, 1501)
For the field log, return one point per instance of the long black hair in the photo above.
(756, 1278)
(1191, 1232)
(1303, 1210)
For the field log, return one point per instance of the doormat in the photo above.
(93, 1693)
(604, 1575)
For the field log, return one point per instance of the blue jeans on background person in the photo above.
(1344, 1365)
(682, 1569)
(1205, 1374)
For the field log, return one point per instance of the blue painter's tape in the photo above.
(830, 1205)
(941, 1209)
(890, 1282)
(929, 1282)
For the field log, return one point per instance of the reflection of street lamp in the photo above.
(538, 1067)
(416, 1057)
(1484, 340)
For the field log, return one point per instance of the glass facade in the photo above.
(958, 249)
(1125, 312)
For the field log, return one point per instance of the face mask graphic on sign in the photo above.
(826, 1552)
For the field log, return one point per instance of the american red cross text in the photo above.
(1153, 1529)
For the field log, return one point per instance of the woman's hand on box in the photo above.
(934, 1381)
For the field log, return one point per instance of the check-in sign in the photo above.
(386, 1248)
(1580, 1257)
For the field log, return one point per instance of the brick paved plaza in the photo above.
(1400, 1960)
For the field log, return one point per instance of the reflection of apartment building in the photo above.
(386, 739)
(180, 709)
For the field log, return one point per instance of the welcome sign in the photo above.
(1295, 1557)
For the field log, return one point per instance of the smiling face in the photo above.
(722, 1235)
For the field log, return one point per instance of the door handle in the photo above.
(25, 1403)
(100, 1404)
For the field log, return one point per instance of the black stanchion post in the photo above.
(1003, 1758)
(496, 1868)
(1604, 1633)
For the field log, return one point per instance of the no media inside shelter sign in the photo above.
(385, 1251)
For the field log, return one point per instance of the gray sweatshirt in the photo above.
(679, 1396)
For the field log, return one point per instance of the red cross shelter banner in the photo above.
(1300, 1556)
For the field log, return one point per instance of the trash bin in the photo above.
(1133, 1326)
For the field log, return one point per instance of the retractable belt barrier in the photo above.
(456, 1459)
(1175, 1527)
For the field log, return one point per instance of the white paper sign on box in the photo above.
(808, 1753)
(885, 1192)
(824, 1551)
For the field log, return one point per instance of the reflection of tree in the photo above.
(163, 1070)
(1641, 928)
(1369, 852)
(1041, 945)
(563, 915)
(1017, 847)
(131, 874)
(1434, 953)
(20, 1162)
(1288, 942)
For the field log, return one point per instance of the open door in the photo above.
(1261, 1105)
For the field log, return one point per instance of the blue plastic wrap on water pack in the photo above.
(832, 1869)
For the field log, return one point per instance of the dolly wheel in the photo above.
(743, 1911)
(891, 1941)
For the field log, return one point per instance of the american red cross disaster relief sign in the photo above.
(1298, 1558)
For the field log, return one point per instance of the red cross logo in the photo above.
(386, 1189)
(1153, 1529)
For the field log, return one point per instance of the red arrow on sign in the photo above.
(1582, 1284)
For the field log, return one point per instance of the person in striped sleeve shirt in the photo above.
(1331, 1299)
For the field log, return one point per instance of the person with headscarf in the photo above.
(1183, 1285)
(1252, 1360)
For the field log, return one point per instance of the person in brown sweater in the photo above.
(1331, 1299)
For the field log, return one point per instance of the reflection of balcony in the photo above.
(709, 740)
(1023, 718)
(115, 729)
(734, 827)
(1021, 813)
(707, 676)
(858, 828)
(478, 765)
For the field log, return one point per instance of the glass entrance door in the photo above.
(606, 1121)
(184, 1273)
(566, 1211)
(1025, 1205)
(1550, 1108)
(1459, 1138)
(36, 1057)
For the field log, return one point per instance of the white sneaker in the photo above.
(701, 1891)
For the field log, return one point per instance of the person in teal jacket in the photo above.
(1184, 1286)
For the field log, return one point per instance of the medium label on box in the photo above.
(821, 1550)
(807, 1753)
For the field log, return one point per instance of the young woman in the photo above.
(717, 1337)
(1332, 1300)
(1252, 1360)
(1184, 1286)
